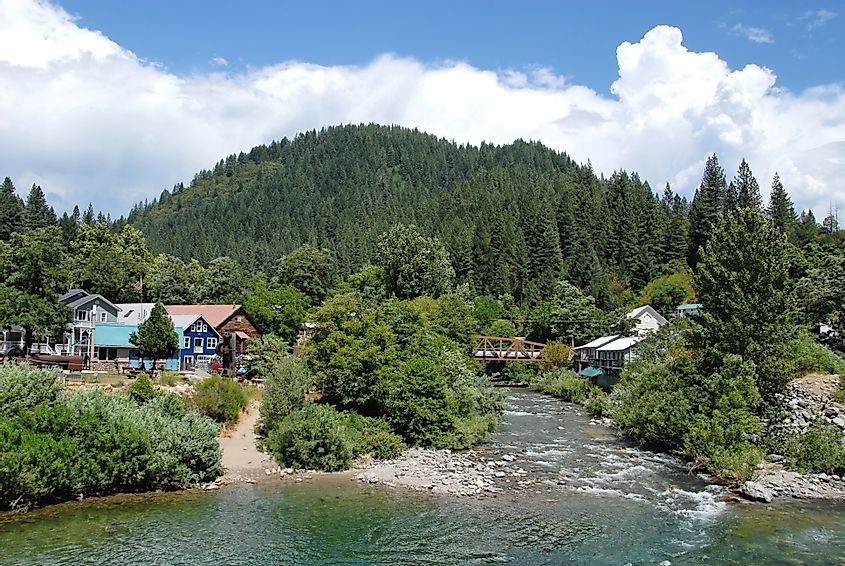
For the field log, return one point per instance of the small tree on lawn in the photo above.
(156, 338)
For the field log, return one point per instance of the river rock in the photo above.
(755, 491)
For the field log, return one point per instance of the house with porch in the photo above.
(225, 319)
(602, 360)
(89, 311)
(198, 340)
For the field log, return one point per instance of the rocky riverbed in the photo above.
(443, 471)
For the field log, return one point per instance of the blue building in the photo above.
(113, 350)
(198, 340)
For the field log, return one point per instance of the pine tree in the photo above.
(11, 210)
(88, 216)
(780, 210)
(748, 191)
(38, 213)
(743, 282)
(708, 205)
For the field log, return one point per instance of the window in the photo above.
(211, 343)
(104, 316)
(198, 344)
(104, 354)
(189, 360)
(82, 315)
(186, 343)
(204, 327)
(239, 318)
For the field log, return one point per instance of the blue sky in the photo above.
(111, 102)
(802, 41)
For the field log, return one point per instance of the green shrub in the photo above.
(706, 414)
(220, 399)
(818, 450)
(373, 436)
(142, 389)
(418, 404)
(312, 437)
(285, 385)
(94, 443)
(814, 357)
(23, 387)
(598, 405)
(564, 384)
(170, 378)
(186, 447)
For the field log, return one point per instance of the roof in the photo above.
(591, 372)
(71, 293)
(598, 342)
(134, 313)
(242, 335)
(215, 315)
(109, 334)
(186, 320)
(639, 311)
(621, 344)
(689, 306)
(88, 298)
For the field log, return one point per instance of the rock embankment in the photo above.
(446, 472)
(807, 401)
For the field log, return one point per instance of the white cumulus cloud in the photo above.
(90, 121)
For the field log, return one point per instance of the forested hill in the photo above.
(514, 218)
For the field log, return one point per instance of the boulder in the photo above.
(755, 491)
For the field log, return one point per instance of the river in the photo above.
(593, 499)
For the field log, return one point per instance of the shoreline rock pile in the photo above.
(807, 401)
(446, 472)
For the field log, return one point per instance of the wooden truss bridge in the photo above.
(492, 348)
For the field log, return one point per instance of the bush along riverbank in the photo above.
(383, 376)
(57, 445)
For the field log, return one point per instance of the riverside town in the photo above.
(408, 301)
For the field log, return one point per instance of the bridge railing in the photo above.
(507, 349)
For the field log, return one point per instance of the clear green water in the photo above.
(617, 505)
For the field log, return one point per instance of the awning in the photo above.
(591, 372)
(242, 335)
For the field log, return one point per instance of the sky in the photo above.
(111, 102)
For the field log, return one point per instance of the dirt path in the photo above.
(241, 458)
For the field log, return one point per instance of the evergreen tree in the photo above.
(38, 213)
(33, 274)
(708, 205)
(743, 282)
(780, 210)
(11, 210)
(747, 188)
(88, 216)
(156, 338)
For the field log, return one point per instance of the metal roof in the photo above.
(598, 342)
(620, 344)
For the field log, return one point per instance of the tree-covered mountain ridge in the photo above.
(515, 218)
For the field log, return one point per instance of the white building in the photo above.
(648, 320)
